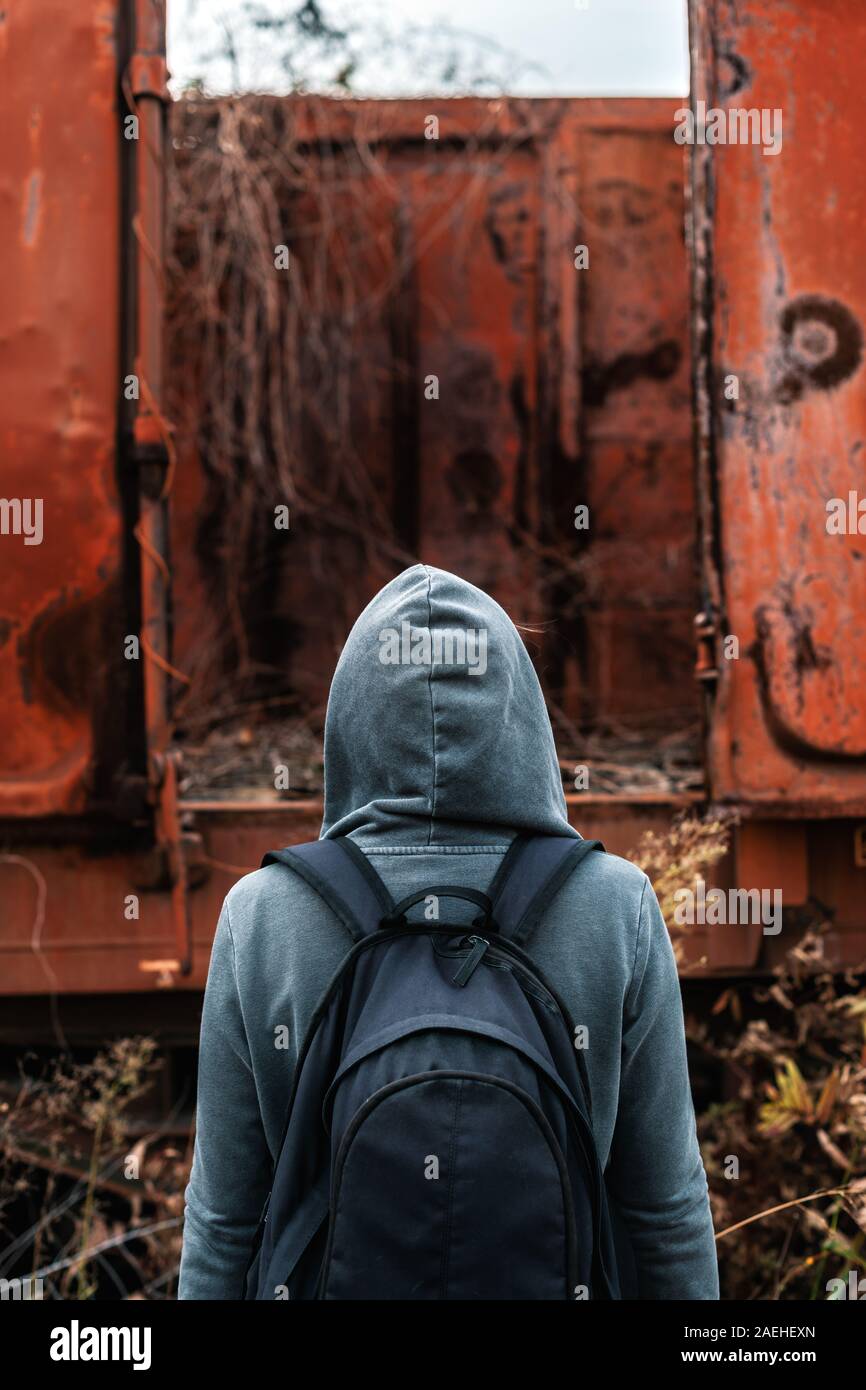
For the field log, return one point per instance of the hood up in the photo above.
(436, 731)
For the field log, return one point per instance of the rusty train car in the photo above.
(699, 386)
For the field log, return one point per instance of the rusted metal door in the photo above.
(84, 446)
(60, 653)
(494, 386)
(780, 304)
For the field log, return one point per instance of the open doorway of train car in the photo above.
(476, 355)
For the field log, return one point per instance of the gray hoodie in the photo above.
(438, 749)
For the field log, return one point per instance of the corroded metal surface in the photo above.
(780, 308)
(556, 386)
(61, 627)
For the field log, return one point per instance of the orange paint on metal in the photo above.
(556, 386)
(773, 855)
(59, 315)
(781, 309)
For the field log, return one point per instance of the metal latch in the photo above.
(148, 76)
(705, 644)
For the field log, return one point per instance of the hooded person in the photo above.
(438, 752)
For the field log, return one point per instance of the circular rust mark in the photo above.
(823, 345)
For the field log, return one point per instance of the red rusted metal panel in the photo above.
(501, 386)
(69, 927)
(61, 625)
(477, 329)
(81, 327)
(639, 483)
(556, 386)
(770, 856)
(66, 926)
(773, 854)
(780, 302)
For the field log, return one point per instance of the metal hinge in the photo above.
(705, 644)
(148, 77)
(150, 453)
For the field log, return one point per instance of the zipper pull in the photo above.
(479, 946)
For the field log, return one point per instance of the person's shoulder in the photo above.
(264, 894)
(614, 887)
(593, 922)
(613, 871)
(256, 887)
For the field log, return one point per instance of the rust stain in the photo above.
(658, 363)
(624, 204)
(32, 207)
(822, 343)
(59, 335)
(787, 312)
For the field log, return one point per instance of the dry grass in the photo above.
(785, 1143)
(98, 1212)
(86, 1205)
(794, 1056)
(677, 859)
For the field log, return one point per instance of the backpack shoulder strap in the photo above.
(343, 878)
(533, 870)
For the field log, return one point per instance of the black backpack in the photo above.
(438, 1143)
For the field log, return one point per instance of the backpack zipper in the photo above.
(480, 945)
(493, 958)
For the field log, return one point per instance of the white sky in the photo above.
(578, 47)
